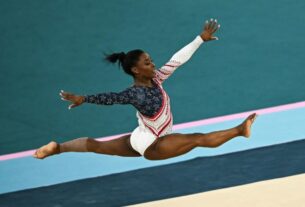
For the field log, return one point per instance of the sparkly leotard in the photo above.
(147, 100)
(152, 103)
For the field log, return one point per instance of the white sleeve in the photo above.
(187, 51)
(179, 58)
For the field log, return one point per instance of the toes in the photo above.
(38, 154)
(254, 117)
(35, 155)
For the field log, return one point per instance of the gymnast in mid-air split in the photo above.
(153, 138)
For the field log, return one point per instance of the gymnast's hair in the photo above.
(126, 61)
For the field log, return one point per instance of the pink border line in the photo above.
(184, 125)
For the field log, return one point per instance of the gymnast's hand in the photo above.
(76, 100)
(210, 28)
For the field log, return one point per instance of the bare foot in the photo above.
(245, 127)
(47, 150)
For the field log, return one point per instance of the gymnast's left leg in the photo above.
(120, 146)
(173, 145)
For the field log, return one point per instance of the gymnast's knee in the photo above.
(151, 154)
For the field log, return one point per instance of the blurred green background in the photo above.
(46, 46)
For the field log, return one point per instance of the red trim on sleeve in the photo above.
(173, 66)
(164, 73)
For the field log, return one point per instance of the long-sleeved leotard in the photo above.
(145, 99)
(148, 100)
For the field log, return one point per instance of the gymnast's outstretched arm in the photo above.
(184, 54)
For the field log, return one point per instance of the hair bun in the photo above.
(125, 60)
(121, 56)
(114, 57)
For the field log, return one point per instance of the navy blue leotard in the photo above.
(147, 100)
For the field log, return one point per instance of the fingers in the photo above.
(206, 25)
(65, 96)
(216, 27)
(62, 94)
(212, 25)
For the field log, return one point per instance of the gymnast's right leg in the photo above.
(120, 146)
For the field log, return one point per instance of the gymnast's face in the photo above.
(145, 67)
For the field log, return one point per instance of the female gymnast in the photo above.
(153, 138)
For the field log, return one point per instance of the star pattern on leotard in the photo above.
(147, 100)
